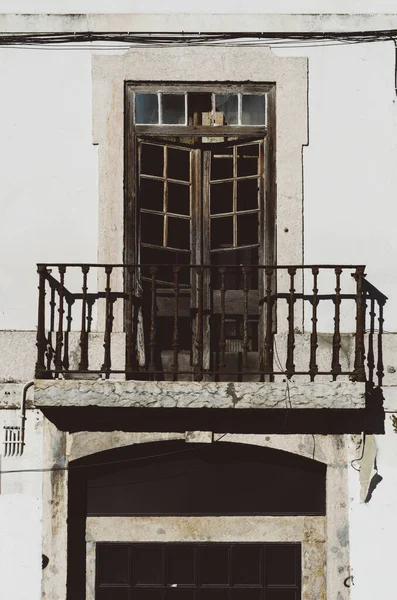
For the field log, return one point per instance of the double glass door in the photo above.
(200, 221)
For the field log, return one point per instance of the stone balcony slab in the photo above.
(184, 394)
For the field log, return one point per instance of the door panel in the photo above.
(233, 215)
(208, 571)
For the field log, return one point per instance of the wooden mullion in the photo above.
(159, 178)
(248, 247)
(235, 196)
(149, 211)
(167, 248)
(165, 197)
(251, 131)
(205, 256)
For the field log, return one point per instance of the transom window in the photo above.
(200, 108)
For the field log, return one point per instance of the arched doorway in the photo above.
(167, 479)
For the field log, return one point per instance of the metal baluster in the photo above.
(90, 304)
(380, 368)
(336, 340)
(153, 315)
(359, 370)
(59, 336)
(199, 326)
(83, 364)
(245, 344)
(175, 339)
(49, 349)
(131, 323)
(313, 367)
(371, 355)
(41, 338)
(108, 324)
(222, 337)
(69, 319)
(290, 366)
(268, 358)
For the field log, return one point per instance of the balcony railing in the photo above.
(200, 322)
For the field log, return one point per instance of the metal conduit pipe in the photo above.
(25, 388)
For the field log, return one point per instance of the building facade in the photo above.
(198, 386)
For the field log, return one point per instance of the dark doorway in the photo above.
(174, 478)
(211, 571)
(205, 479)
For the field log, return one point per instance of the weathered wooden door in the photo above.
(201, 204)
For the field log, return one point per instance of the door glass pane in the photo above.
(152, 194)
(247, 229)
(173, 106)
(247, 194)
(159, 257)
(152, 160)
(221, 198)
(180, 565)
(147, 565)
(281, 565)
(221, 233)
(214, 564)
(152, 229)
(146, 109)
(227, 105)
(248, 160)
(178, 200)
(253, 110)
(246, 564)
(178, 164)
(113, 564)
(199, 106)
(178, 233)
(222, 164)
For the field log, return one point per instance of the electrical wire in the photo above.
(281, 39)
(357, 460)
(111, 462)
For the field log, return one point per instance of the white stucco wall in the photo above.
(206, 6)
(373, 525)
(21, 511)
(48, 172)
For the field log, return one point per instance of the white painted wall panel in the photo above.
(48, 172)
(20, 547)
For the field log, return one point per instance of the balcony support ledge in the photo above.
(221, 395)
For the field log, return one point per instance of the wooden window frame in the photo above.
(132, 132)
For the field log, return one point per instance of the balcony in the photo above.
(209, 323)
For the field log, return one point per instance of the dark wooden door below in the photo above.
(182, 571)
